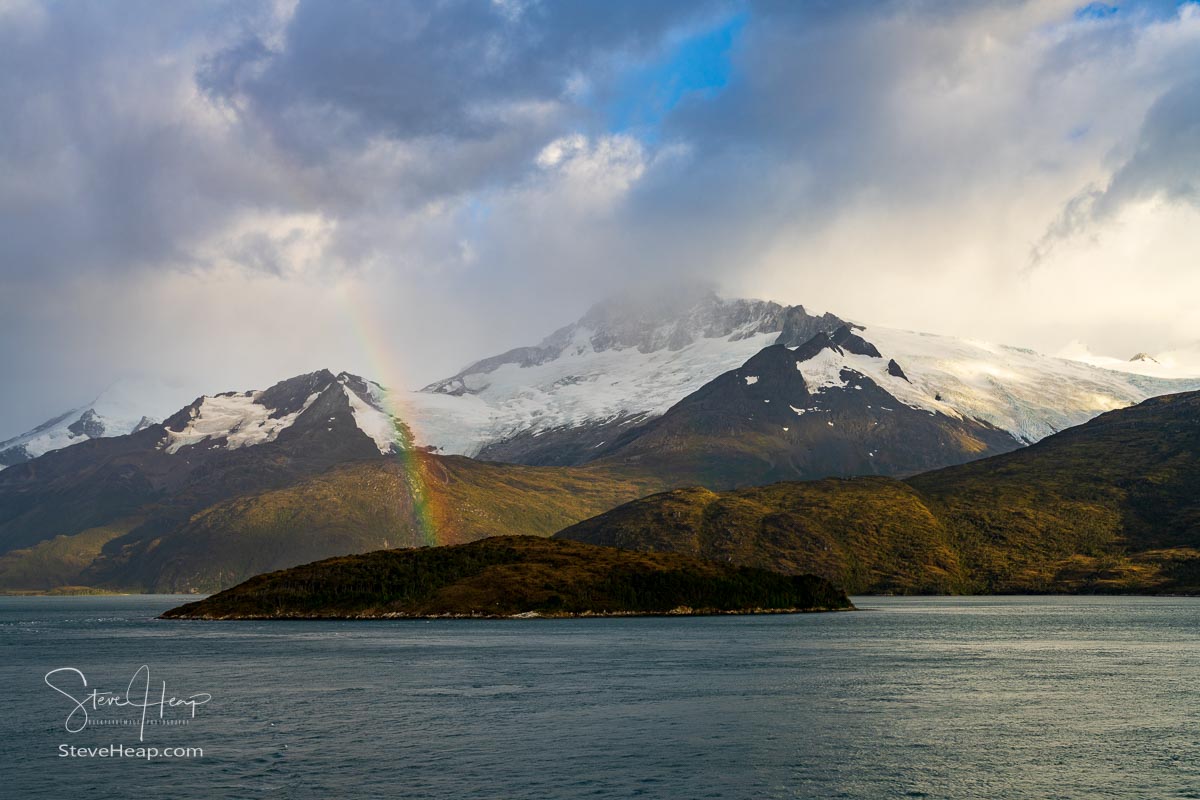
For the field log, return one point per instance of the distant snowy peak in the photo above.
(842, 340)
(864, 401)
(802, 413)
(50, 435)
(649, 324)
(312, 402)
(839, 361)
(315, 403)
(1028, 394)
(800, 327)
(124, 407)
(1179, 363)
(625, 362)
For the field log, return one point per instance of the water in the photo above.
(930, 697)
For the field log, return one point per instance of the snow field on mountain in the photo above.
(579, 387)
(236, 418)
(371, 421)
(1024, 392)
(1029, 394)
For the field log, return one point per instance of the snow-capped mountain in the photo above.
(134, 489)
(1024, 392)
(626, 362)
(229, 420)
(629, 360)
(239, 483)
(235, 420)
(710, 392)
(124, 407)
(798, 414)
(217, 446)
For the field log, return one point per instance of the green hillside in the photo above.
(1109, 506)
(352, 508)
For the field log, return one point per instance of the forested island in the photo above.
(514, 576)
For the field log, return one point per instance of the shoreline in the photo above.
(527, 615)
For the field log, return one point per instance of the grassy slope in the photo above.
(365, 506)
(58, 562)
(867, 534)
(1113, 505)
(512, 575)
(1110, 505)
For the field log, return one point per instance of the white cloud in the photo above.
(590, 175)
(293, 246)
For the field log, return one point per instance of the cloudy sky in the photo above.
(223, 194)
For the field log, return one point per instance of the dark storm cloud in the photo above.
(481, 85)
(422, 69)
(1164, 165)
(102, 168)
(1166, 159)
(111, 163)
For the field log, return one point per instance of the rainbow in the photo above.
(427, 512)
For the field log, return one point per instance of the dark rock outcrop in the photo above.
(894, 370)
(799, 326)
(762, 422)
(87, 425)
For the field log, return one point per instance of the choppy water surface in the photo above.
(930, 697)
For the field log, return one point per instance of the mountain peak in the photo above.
(649, 321)
(842, 340)
(125, 406)
(318, 405)
(799, 327)
(780, 417)
(845, 338)
(288, 396)
(818, 342)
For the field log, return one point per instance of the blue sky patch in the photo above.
(698, 65)
(1096, 11)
